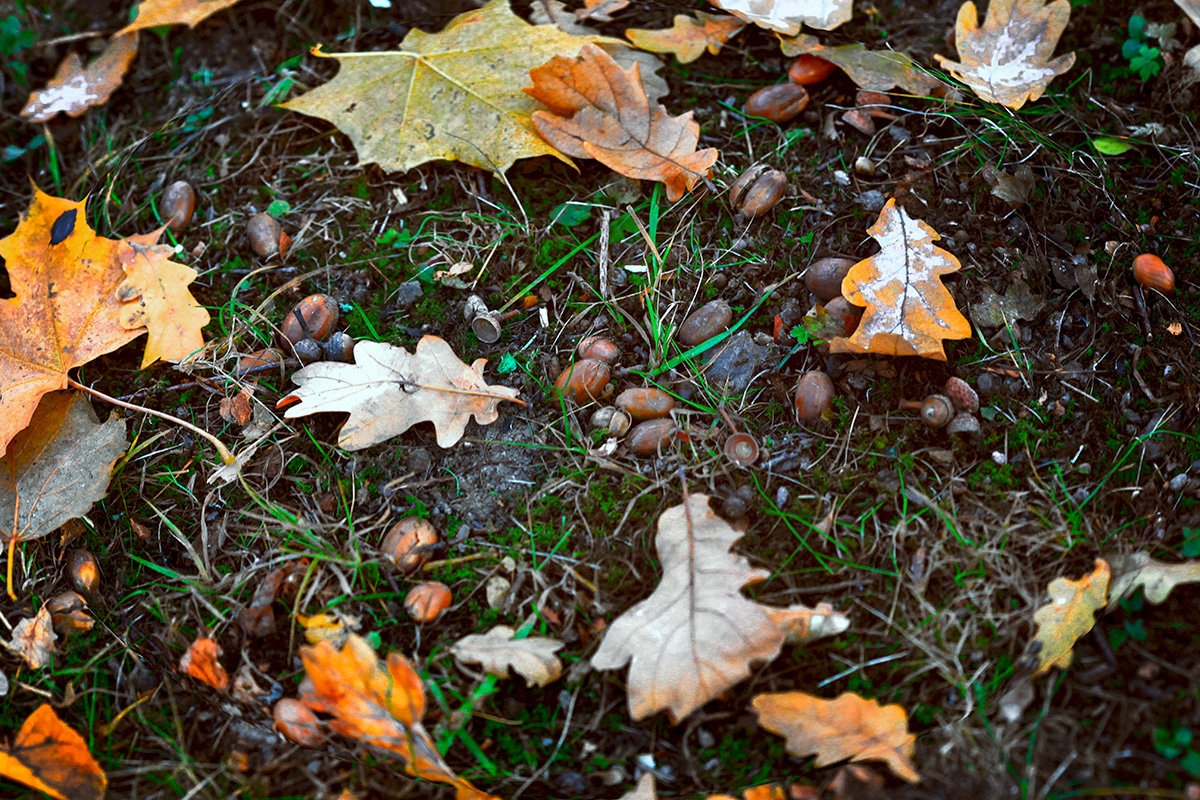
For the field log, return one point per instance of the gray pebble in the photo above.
(408, 293)
(872, 200)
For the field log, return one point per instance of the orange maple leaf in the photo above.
(200, 661)
(380, 705)
(159, 301)
(909, 311)
(599, 110)
(75, 88)
(49, 756)
(174, 12)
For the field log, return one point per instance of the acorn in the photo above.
(487, 327)
(808, 69)
(741, 449)
(705, 322)
(937, 410)
(778, 103)
(652, 436)
(83, 571)
(266, 236)
(814, 394)
(961, 394)
(645, 403)
(426, 601)
(583, 380)
(177, 204)
(599, 348)
(758, 195)
(612, 420)
(297, 723)
(1152, 273)
(340, 347)
(314, 317)
(825, 275)
(409, 543)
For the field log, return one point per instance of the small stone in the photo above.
(987, 384)
(408, 293)
(1179, 482)
(736, 362)
(872, 200)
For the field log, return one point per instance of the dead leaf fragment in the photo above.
(497, 651)
(909, 312)
(850, 727)
(387, 390)
(1069, 615)
(1154, 577)
(1007, 61)
(380, 704)
(786, 16)
(688, 37)
(646, 789)
(453, 95)
(151, 13)
(995, 310)
(696, 635)
(75, 88)
(156, 297)
(33, 639)
(49, 756)
(871, 70)
(200, 661)
(55, 469)
(601, 10)
(1014, 188)
(600, 110)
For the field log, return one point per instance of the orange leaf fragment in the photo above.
(75, 88)
(200, 661)
(380, 704)
(688, 37)
(909, 312)
(850, 727)
(1069, 615)
(49, 756)
(600, 110)
(33, 639)
(175, 12)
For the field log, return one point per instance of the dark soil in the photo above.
(939, 547)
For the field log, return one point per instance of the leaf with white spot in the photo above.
(1069, 615)
(75, 88)
(786, 16)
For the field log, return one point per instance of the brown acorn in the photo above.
(814, 394)
(409, 543)
(808, 69)
(266, 236)
(599, 348)
(824, 277)
(756, 197)
(340, 347)
(426, 601)
(778, 103)
(83, 571)
(583, 380)
(177, 205)
(654, 435)
(1152, 273)
(937, 410)
(297, 723)
(705, 322)
(314, 317)
(645, 403)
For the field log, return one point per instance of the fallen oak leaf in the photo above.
(848, 727)
(387, 390)
(33, 639)
(786, 16)
(1155, 578)
(50, 756)
(688, 37)
(498, 651)
(75, 88)
(871, 70)
(1069, 615)
(200, 661)
(909, 312)
(378, 703)
(151, 13)
(599, 110)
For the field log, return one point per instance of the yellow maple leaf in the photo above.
(156, 297)
(151, 13)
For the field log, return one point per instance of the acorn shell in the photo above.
(314, 317)
(426, 601)
(937, 410)
(741, 449)
(808, 69)
(409, 543)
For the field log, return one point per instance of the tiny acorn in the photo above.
(808, 69)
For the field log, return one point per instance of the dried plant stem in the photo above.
(226, 456)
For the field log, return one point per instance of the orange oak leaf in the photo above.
(49, 756)
(65, 310)
(1007, 61)
(909, 312)
(200, 661)
(387, 390)
(380, 704)
(1069, 615)
(33, 639)
(174, 12)
(75, 88)
(850, 727)
(156, 298)
(688, 37)
(599, 110)
(696, 635)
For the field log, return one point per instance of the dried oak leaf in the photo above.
(1007, 61)
(387, 390)
(57, 467)
(200, 661)
(151, 13)
(599, 110)
(1069, 615)
(33, 639)
(909, 312)
(453, 95)
(75, 88)
(498, 651)
(65, 310)
(688, 37)
(49, 756)
(1154, 577)
(156, 297)
(601, 10)
(872, 70)
(380, 704)
(850, 727)
(696, 635)
(786, 16)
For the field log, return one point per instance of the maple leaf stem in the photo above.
(226, 456)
